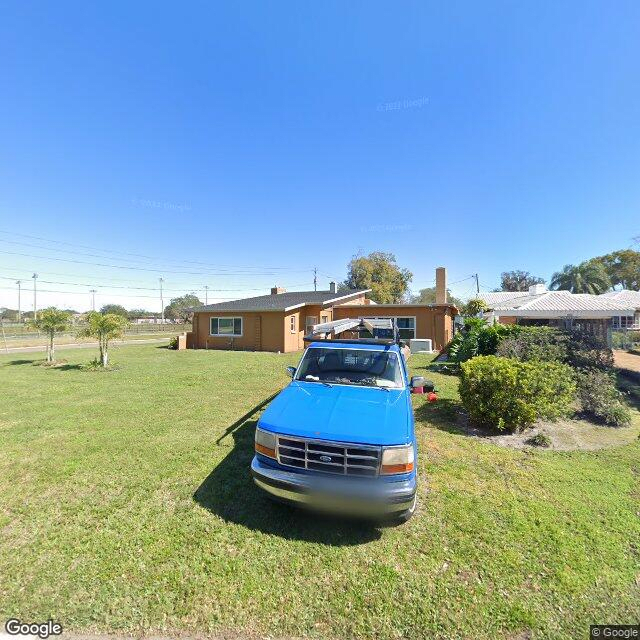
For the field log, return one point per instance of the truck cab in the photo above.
(340, 436)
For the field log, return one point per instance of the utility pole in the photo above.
(161, 280)
(35, 304)
(315, 278)
(93, 299)
(477, 285)
(206, 294)
(19, 283)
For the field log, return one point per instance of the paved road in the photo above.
(79, 345)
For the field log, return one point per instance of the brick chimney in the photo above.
(276, 290)
(333, 287)
(441, 285)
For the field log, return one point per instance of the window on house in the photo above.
(229, 327)
(406, 326)
(292, 323)
(622, 322)
(309, 322)
(324, 318)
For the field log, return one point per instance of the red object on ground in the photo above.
(417, 389)
(432, 397)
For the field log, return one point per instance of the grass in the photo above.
(127, 507)
(27, 338)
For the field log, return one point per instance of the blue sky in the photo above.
(260, 140)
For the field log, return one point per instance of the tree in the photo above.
(587, 277)
(104, 327)
(181, 308)
(142, 313)
(622, 267)
(474, 307)
(428, 296)
(518, 280)
(118, 309)
(51, 321)
(379, 272)
(8, 314)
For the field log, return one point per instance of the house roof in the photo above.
(549, 304)
(625, 296)
(282, 301)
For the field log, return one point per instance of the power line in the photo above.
(112, 279)
(205, 288)
(129, 268)
(112, 295)
(135, 255)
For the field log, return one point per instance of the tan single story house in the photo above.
(279, 321)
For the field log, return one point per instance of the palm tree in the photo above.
(587, 277)
(105, 327)
(51, 321)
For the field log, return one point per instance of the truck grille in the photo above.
(328, 457)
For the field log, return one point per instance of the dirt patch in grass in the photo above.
(563, 435)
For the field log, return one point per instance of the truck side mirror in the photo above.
(291, 371)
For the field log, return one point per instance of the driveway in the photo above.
(627, 361)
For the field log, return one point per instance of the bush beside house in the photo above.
(513, 375)
(508, 394)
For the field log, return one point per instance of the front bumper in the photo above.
(336, 494)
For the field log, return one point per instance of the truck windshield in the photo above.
(351, 366)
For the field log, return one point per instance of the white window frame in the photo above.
(309, 323)
(292, 324)
(396, 318)
(226, 335)
(629, 321)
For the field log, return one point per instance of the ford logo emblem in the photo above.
(325, 458)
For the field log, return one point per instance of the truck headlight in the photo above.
(397, 460)
(265, 443)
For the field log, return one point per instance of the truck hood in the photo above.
(361, 415)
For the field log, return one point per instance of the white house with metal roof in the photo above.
(627, 298)
(539, 306)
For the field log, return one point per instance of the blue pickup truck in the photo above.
(340, 436)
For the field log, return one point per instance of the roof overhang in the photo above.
(576, 313)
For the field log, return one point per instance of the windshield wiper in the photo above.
(314, 379)
(369, 383)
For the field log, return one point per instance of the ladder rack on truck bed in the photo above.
(382, 330)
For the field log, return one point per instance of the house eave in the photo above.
(545, 314)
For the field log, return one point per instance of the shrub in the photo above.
(539, 440)
(173, 342)
(625, 339)
(478, 338)
(586, 351)
(509, 394)
(600, 399)
(535, 343)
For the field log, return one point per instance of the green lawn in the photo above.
(127, 507)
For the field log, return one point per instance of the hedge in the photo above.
(507, 394)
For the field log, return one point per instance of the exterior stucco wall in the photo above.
(435, 323)
(260, 331)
